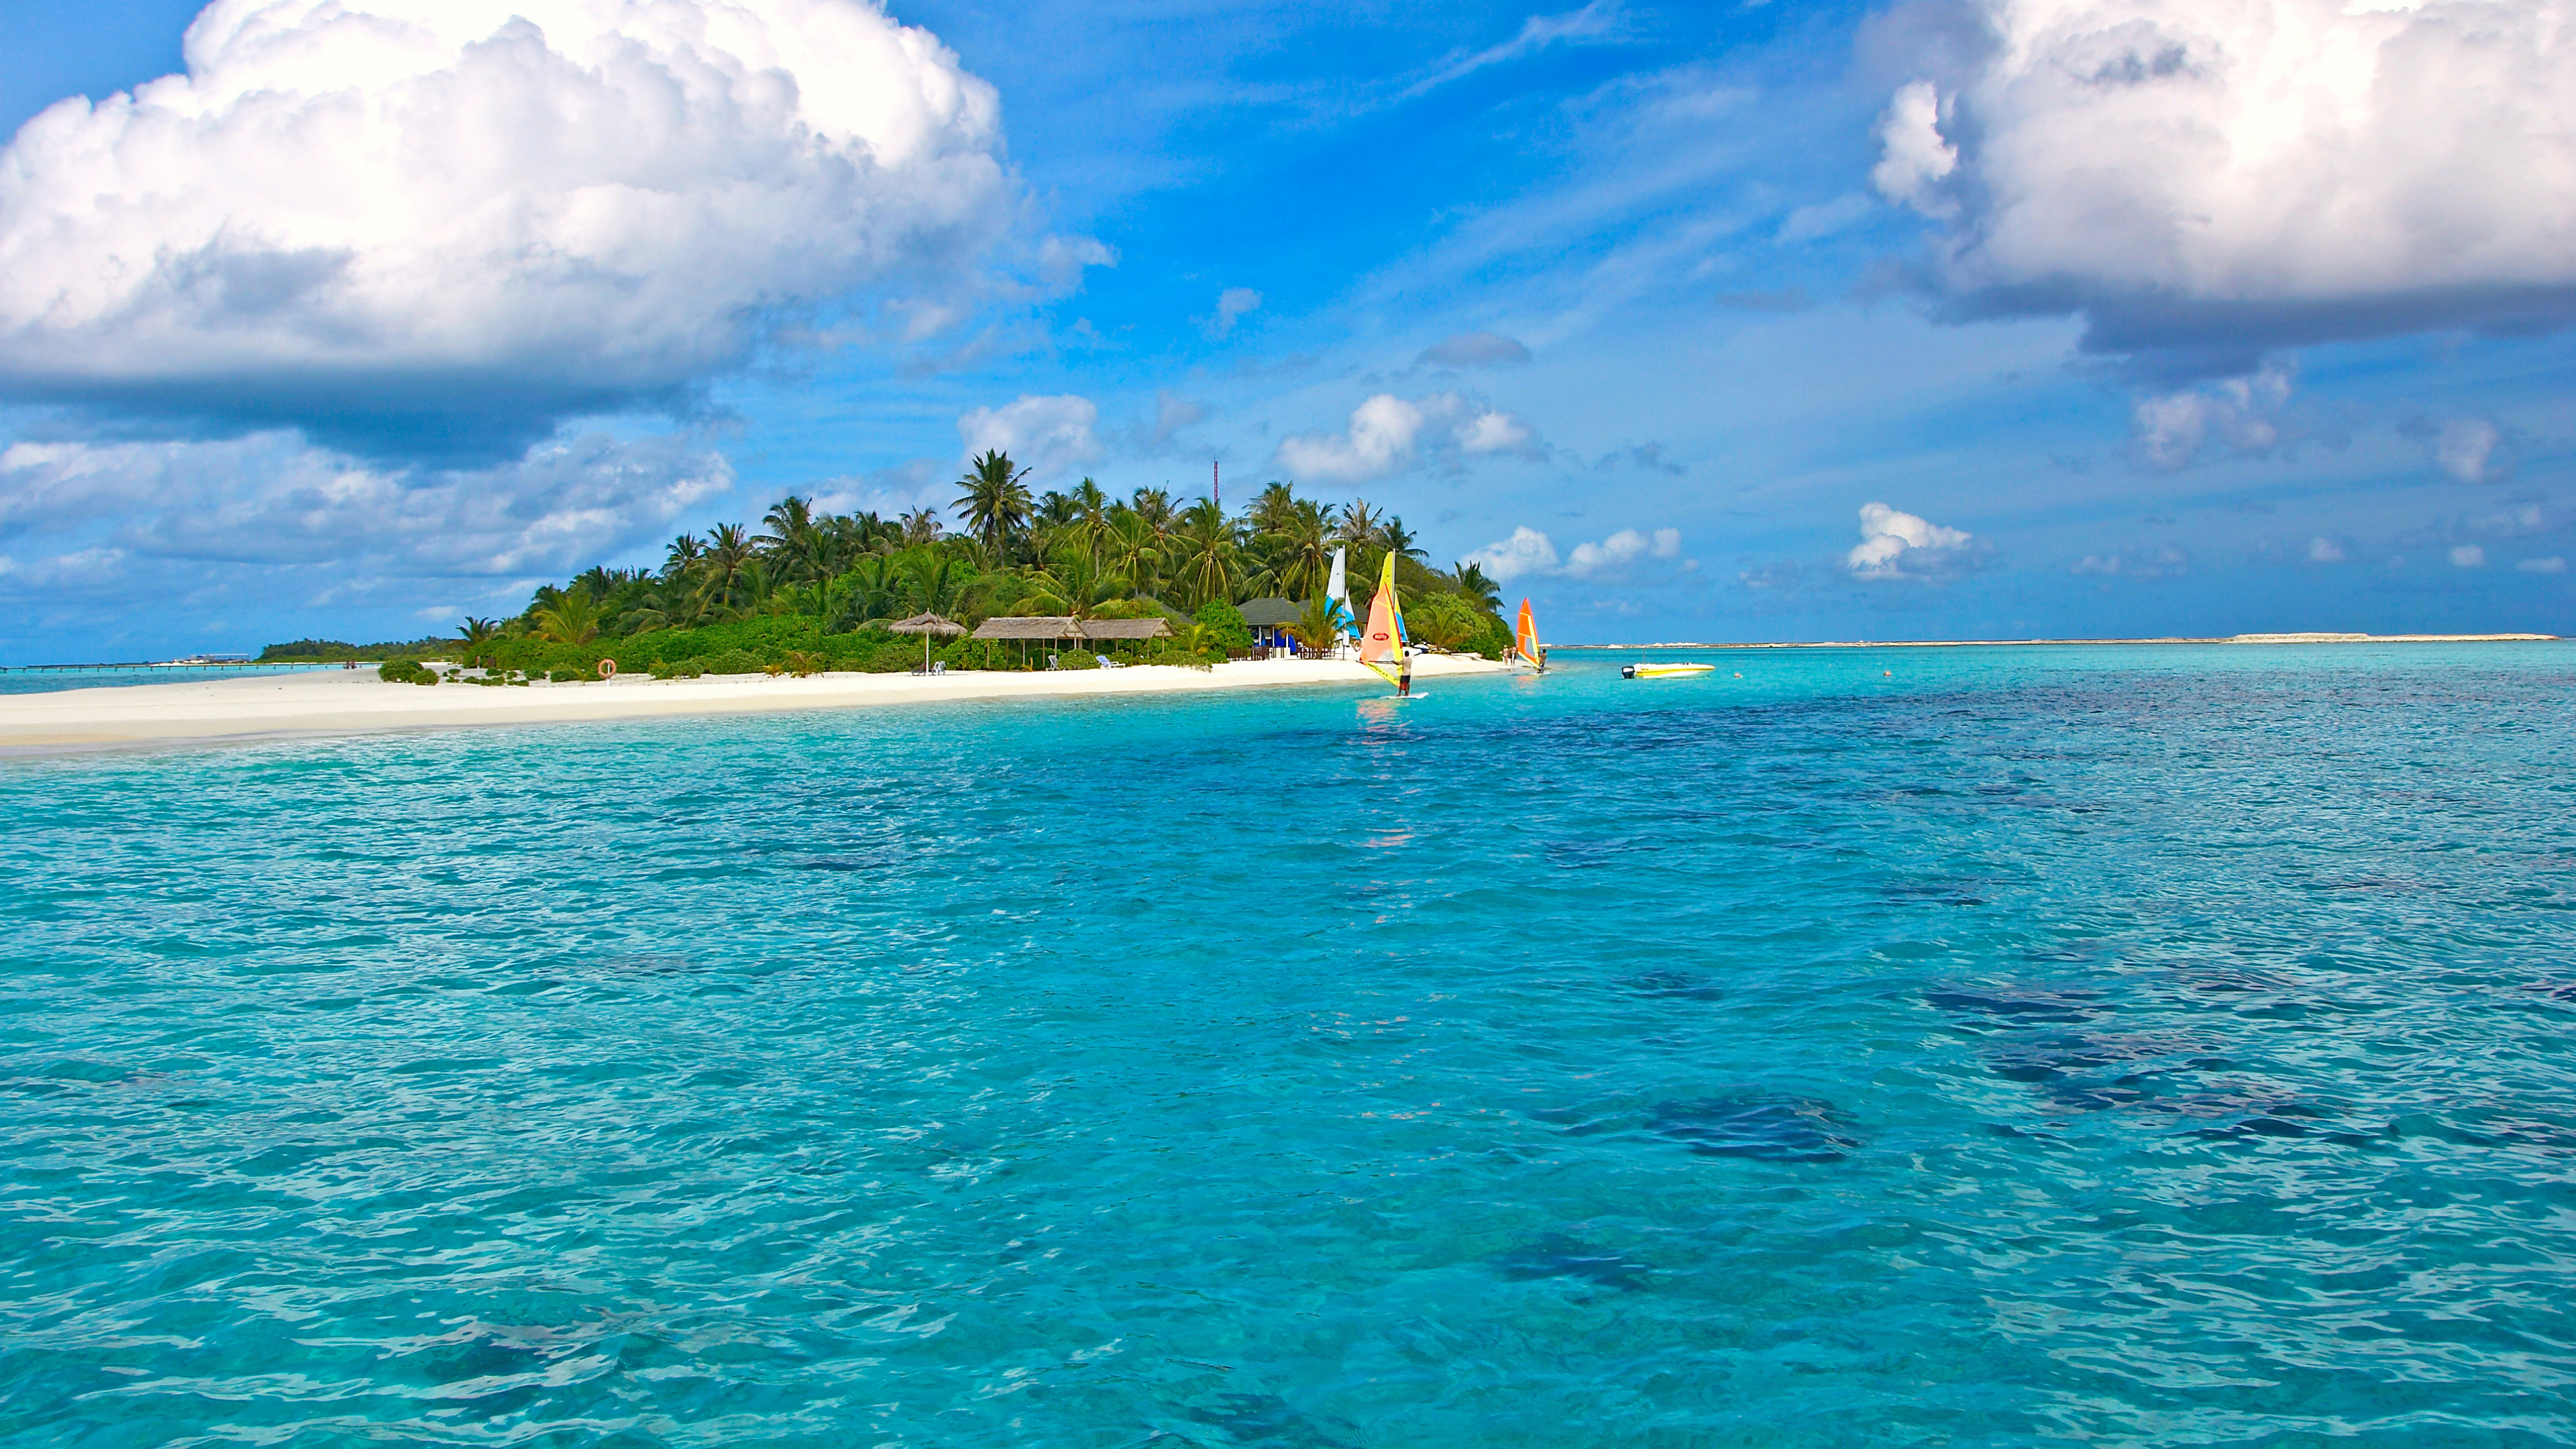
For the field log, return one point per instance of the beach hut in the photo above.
(926, 625)
(1126, 631)
(1048, 630)
(1270, 620)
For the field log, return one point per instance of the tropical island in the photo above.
(1085, 577)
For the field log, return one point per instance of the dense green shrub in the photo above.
(1225, 621)
(405, 671)
(1076, 658)
(562, 675)
(732, 661)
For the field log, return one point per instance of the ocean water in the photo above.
(1983, 1047)
(46, 679)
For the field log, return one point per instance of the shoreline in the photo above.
(336, 703)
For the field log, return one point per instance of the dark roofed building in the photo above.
(1270, 620)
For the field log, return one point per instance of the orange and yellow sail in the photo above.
(1382, 641)
(1525, 638)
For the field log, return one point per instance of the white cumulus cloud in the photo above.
(2284, 169)
(1526, 552)
(1529, 552)
(2238, 416)
(1388, 434)
(2543, 565)
(1895, 545)
(518, 208)
(1913, 158)
(2470, 450)
(270, 500)
(2325, 551)
(1051, 436)
(2468, 556)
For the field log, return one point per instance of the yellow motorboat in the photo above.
(1664, 671)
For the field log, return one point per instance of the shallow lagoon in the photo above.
(2002, 1046)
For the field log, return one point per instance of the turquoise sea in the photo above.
(44, 679)
(1967, 1047)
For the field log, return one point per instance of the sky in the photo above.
(1731, 321)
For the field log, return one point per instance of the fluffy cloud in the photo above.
(270, 501)
(2325, 551)
(2543, 565)
(1388, 434)
(1622, 549)
(2230, 173)
(444, 220)
(1231, 304)
(1051, 436)
(2239, 416)
(1526, 552)
(2468, 556)
(2470, 450)
(1529, 552)
(1896, 545)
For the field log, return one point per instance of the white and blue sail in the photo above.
(1338, 594)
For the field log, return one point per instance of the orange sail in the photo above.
(1525, 638)
(1382, 642)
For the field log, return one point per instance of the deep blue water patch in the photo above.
(2142, 1046)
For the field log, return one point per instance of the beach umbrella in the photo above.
(926, 625)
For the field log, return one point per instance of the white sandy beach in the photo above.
(344, 702)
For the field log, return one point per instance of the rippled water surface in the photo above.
(2146, 1046)
(48, 678)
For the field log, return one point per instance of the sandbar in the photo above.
(353, 702)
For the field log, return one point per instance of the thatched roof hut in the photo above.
(1126, 629)
(1049, 628)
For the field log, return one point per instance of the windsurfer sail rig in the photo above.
(1338, 594)
(1382, 642)
(1525, 640)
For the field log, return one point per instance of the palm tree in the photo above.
(1273, 509)
(686, 550)
(1316, 628)
(1477, 589)
(1305, 555)
(995, 501)
(797, 544)
(1399, 539)
(1359, 524)
(1131, 550)
(866, 590)
(1155, 507)
(723, 572)
(921, 526)
(936, 582)
(1442, 619)
(477, 636)
(1206, 565)
(1073, 585)
(573, 618)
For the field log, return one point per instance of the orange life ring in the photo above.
(608, 669)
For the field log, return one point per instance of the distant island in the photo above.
(1143, 579)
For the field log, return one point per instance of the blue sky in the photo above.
(1972, 319)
